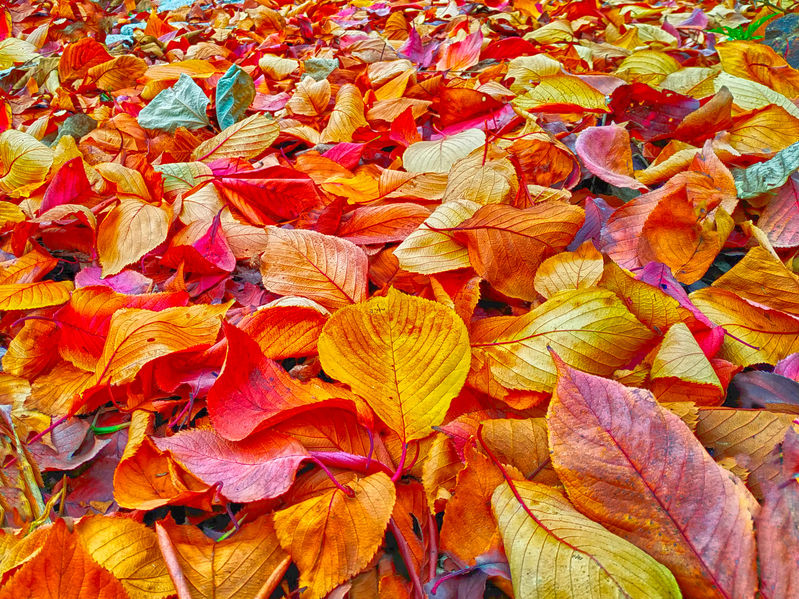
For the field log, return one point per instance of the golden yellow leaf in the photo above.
(755, 334)
(331, 537)
(591, 329)
(569, 270)
(751, 95)
(483, 179)
(407, 357)
(276, 67)
(129, 550)
(562, 93)
(24, 162)
(438, 156)
(137, 336)
(245, 139)
(430, 250)
(525, 70)
(248, 565)
(647, 66)
(347, 115)
(324, 268)
(310, 97)
(133, 228)
(118, 73)
(555, 551)
(26, 296)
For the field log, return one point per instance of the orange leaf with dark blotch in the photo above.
(506, 244)
(85, 320)
(471, 503)
(382, 224)
(248, 565)
(324, 268)
(778, 525)
(748, 436)
(260, 467)
(606, 153)
(253, 391)
(284, 331)
(412, 519)
(333, 536)
(62, 570)
(637, 469)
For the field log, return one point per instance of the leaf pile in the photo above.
(380, 299)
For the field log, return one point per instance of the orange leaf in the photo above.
(321, 267)
(133, 228)
(62, 570)
(637, 469)
(506, 244)
(331, 537)
(26, 296)
(248, 565)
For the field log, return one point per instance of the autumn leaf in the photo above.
(129, 231)
(333, 536)
(642, 474)
(248, 565)
(553, 548)
(405, 356)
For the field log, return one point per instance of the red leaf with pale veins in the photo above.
(253, 391)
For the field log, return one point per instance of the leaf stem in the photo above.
(346, 490)
(38, 436)
(401, 465)
(407, 557)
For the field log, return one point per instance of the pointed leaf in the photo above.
(332, 537)
(638, 470)
(182, 105)
(406, 356)
(555, 551)
(244, 139)
(128, 232)
(235, 92)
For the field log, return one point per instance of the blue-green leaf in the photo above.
(765, 176)
(182, 105)
(234, 94)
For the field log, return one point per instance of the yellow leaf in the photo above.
(245, 139)
(276, 67)
(129, 550)
(647, 66)
(128, 232)
(562, 93)
(696, 82)
(24, 162)
(14, 50)
(590, 329)
(482, 179)
(755, 334)
(137, 336)
(10, 214)
(760, 277)
(438, 156)
(26, 296)
(332, 537)
(525, 70)
(310, 97)
(763, 132)
(118, 73)
(751, 95)
(347, 115)
(555, 551)
(406, 356)
(324, 268)
(681, 357)
(248, 565)
(428, 250)
(759, 63)
(569, 270)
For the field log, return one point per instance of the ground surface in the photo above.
(399, 299)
